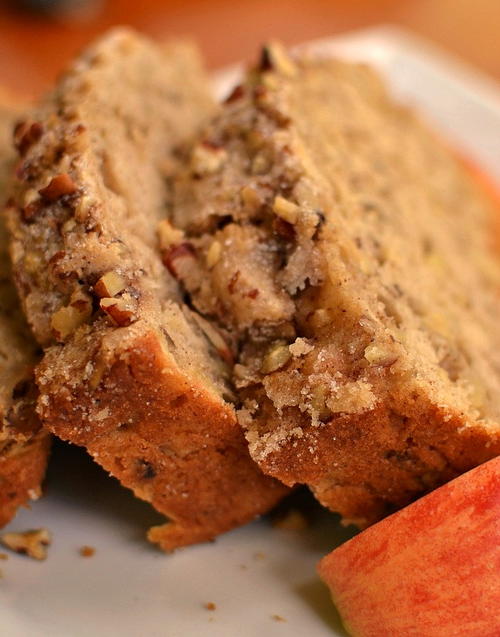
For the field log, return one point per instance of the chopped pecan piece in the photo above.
(286, 210)
(109, 285)
(68, 319)
(277, 357)
(58, 187)
(251, 199)
(31, 210)
(168, 235)
(118, 310)
(214, 254)
(207, 158)
(380, 354)
(30, 206)
(318, 398)
(26, 134)
(83, 208)
(172, 255)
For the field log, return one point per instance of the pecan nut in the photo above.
(175, 254)
(276, 357)
(58, 187)
(118, 310)
(109, 285)
(25, 135)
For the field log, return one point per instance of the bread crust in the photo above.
(21, 474)
(162, 436)
(400, 451)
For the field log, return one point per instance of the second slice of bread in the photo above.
(349, 253)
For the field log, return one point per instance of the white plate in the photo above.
(129, 589)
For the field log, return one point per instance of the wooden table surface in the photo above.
(34, 48)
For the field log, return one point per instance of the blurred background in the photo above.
(38, 36)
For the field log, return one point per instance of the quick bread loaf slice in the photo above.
(349, 254)
(128, 372)
(24, 446)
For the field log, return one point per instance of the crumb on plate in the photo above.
(210, 606)
(87, 551)
(32, 543)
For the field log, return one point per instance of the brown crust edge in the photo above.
(173, 444)
(21, 475)
(368, 465)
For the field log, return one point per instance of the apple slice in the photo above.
(429, 570)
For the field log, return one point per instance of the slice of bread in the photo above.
(128, 372)
(24, 446)
(350, 256)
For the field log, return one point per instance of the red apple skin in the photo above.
(429, 570)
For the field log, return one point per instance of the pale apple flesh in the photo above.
(429, 570)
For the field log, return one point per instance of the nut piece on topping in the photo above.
(382, 355)
(118, 310)
(174, 255)
(214, 254)
(68, 319)
(83, 207)
(300, 347)
(65, 321)
(318, 397)
(26, 134)
(110, 284)
(207, 159)
(168, 235)
(276, 358)
(58, 187)
(251, 198)
(285, 209)
(31, 543)
(30, 196)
